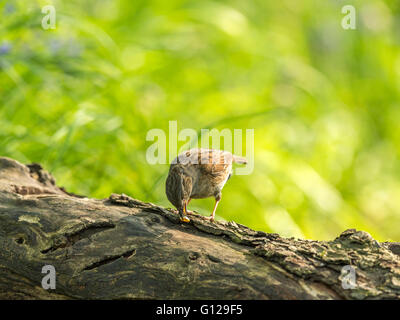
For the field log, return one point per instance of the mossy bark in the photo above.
(122, 248)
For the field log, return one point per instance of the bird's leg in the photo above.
(182, 215)
(217, 200)
(186, 210)
(215, 209)
(211, 218)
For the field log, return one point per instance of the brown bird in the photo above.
(198, 174)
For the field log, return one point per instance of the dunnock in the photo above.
(197, 174)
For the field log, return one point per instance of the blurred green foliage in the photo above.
(323, 101)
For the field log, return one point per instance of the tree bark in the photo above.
(122, 248)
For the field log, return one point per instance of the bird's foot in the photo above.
(184, 219)
(210, 218)
(190, 212)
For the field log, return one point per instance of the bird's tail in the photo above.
(239, 160)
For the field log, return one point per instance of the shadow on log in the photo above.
(122, 248)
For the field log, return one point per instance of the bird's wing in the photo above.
(203, 156)
(214, 162)
(211, 162)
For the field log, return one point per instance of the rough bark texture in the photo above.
(122, 248)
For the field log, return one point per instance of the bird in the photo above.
(196, 174)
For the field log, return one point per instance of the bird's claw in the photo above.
(211, 218)
(185, 219)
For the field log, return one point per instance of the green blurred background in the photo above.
(323, 102)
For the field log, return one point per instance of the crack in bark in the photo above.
(111, 259)
(68, 240)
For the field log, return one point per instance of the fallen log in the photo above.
(123, 248)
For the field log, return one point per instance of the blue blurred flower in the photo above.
(9, 8)
(55, 45)
(5, 48)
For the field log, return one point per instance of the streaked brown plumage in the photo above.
(197, 174)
